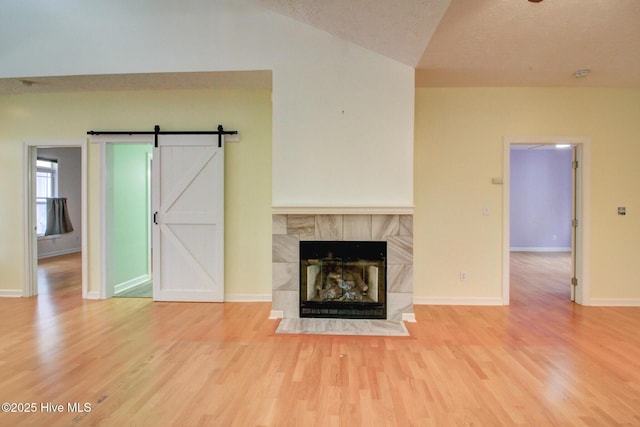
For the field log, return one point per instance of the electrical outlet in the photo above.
(463, 276)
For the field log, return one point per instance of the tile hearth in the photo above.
(372, 327)
(290, 229)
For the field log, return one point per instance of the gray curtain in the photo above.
(58, 221)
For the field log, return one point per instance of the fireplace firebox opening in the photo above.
(343, 279)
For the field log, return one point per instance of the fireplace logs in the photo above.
(339, 285)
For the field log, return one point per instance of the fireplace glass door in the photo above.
(343, 279)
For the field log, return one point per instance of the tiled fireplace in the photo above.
(396, 230)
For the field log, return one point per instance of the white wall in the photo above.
(342, 115)
(69, 186)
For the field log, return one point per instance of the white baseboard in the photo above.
(10, 293)
(93, 295)
(57, 253)
(136, 281)
(541, 249)
(276, 314)
(409, 317)
(456, 301)
(615, 302)
(247, 298)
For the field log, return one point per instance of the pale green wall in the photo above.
(71, 115)
(131, 212)
(459, 148)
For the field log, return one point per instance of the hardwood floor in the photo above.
(60, 275)
(542, 361)
(540, 278)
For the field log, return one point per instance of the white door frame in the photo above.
(150, 205)
(583, 214)
(106, 142)
(30, 147)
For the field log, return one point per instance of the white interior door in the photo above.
(188, 230)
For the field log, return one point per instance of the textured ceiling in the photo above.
(519, 43)
(450, 42)
(398, 29)
(489, 42)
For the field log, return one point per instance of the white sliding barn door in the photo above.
(188, 200)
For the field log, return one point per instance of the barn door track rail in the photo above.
(156, 132)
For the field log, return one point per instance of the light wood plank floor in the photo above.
(542, 361)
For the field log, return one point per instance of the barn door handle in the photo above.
(155, 218)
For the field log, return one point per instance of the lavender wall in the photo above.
(540, 199)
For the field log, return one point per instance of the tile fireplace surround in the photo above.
(289, 229)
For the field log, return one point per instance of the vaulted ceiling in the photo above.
(489, 42)
(398, 29)
(450, 43)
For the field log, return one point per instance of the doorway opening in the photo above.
(546, 218)
(55, 182)
(128, 220)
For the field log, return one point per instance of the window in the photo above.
(46, 186)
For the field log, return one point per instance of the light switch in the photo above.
(622, 210)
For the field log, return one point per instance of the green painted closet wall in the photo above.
(131, 212)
